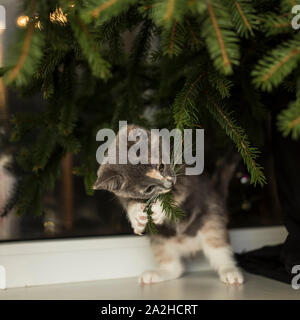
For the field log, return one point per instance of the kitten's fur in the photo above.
(8, 180)
(202, 228)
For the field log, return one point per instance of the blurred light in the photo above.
(2, 19)
(58, 16)
(49, 226)
(244, 179)
(22, 21)
(246, 205)
(38, 25)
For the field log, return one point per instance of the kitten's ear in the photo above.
(111, 184)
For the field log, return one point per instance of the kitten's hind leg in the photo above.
(170, 264)
(216, 247)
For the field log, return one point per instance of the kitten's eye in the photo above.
(161, 168)
(149, 189)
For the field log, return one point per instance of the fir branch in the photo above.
(221, 41)
(289, 120)
(276, 65)
(171, 46)
(99, 67)
(28, 194)
(241, 12)
(43, 149)
(150, 227)
(184, 107)
(220, 83)
(192, 32)
(170, 10)
(238, 135)
(110, 33)
(243, 16)
(172, 212)
(172, 42)
(169, 207)
(165, 12)
(286, 5)
(26, 53)
(19, 65)
(87, 171)
(227, 64)
(273, 23)
(103, 10)
(96, 12)
(69, 143)
(141, 45)
(68, 118)
(23, 123)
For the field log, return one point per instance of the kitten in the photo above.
(202, 228)
(8, 180)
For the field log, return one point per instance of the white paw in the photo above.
(138, 218)
(149, 277)
(231, 276)
(158, 215)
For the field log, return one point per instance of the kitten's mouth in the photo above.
(168, 190)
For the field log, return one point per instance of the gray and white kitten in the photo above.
(202, 228)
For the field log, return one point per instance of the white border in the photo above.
(44, 262)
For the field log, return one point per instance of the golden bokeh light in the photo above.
(22, 21)
(38, 25)
(58, 16)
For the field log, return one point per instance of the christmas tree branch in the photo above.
(102, 10)
(227, 64)
(243, 16)
(96, 12)
(181, 100)
(275, 66)
(172, 212)
(221, 40)
(196, 40)
(170, 10)
(27, 52)
(172, 39)
(100, 67)
(289, 120)
(186, 109)
(239, 137)
(24, 53)
(246, 23)
(280, 63)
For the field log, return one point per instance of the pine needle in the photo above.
(172, 212)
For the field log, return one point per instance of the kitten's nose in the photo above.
(169, 183)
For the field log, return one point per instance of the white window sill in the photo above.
(44, 262)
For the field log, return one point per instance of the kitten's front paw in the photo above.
(138, 218)
(231, 276)
(155, 276)
(158, 215)
(151, 276)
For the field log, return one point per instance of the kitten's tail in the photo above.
(224, 172)
(8, 185)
